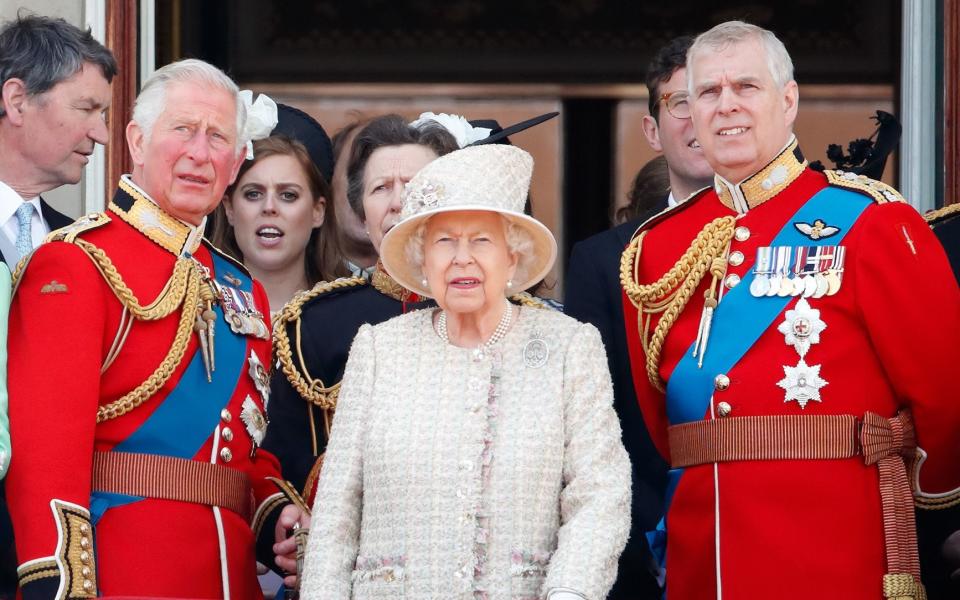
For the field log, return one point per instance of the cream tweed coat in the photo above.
(453, 476)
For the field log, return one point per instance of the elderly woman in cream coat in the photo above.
(475, 453)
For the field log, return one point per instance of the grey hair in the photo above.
(152, 98)
(42, 52)
(384, 131)
(726, 34)
(519, 243)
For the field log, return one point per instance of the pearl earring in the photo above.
(423, 282)
(509, 283)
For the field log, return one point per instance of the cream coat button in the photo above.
(721, 382)
(732, 280)
(736, 258)
(724, 409)
(741, 233)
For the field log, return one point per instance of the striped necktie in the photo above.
(24, 238)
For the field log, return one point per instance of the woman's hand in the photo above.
(290, 534)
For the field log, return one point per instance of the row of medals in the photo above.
(239, 311)
(805, 271)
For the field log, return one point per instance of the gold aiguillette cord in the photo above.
(206, 321)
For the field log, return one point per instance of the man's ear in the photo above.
(228, 208)
(14, 96)
(791, 102)
(135, 142)
(651, 131)
(241, 156)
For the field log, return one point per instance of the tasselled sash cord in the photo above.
(887, 443)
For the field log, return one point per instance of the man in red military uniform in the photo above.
(785, 358)
(137, 366)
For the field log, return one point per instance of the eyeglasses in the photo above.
(676, 103)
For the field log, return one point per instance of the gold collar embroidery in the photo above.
(145, 216)
(387, 286)
(765, 184)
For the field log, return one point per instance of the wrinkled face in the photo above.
(62, 125)
(466, 260)
(741, 118)
(387, 170)
(347, 219)
(675, 138)
(273, 212)
(191, 155)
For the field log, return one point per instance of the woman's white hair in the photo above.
(519, 243)
(152, 98)
(735, 32)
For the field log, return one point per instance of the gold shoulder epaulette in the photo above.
(310, 389)
(81, 225)
(525, 299)
(935, 217)
(67, 234)
(877, 190)
(291, 310)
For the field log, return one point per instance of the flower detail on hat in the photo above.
(261, 118)
(420, 196)
(459, 127)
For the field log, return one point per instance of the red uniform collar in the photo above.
(765, 183)
(135, 207)
(387, 286)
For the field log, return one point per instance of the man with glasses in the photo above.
(594, 296)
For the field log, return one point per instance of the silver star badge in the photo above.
(261, 379)
(802, 327)
(802, 383)
(254, 421)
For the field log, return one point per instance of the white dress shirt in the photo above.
(9, 202)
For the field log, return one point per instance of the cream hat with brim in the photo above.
(493, 178)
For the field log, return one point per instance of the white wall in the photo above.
(69, 198)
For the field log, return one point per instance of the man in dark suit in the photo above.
(594, 296)
(54, 93)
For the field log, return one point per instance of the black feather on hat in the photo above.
(498, 135)
(298, 125)
(867, 156)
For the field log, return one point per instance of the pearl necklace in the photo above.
(498, 333)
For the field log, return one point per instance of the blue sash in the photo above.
(739, 320)
(182, 423)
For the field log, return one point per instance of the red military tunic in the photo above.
(805, 528)
(66, 324)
